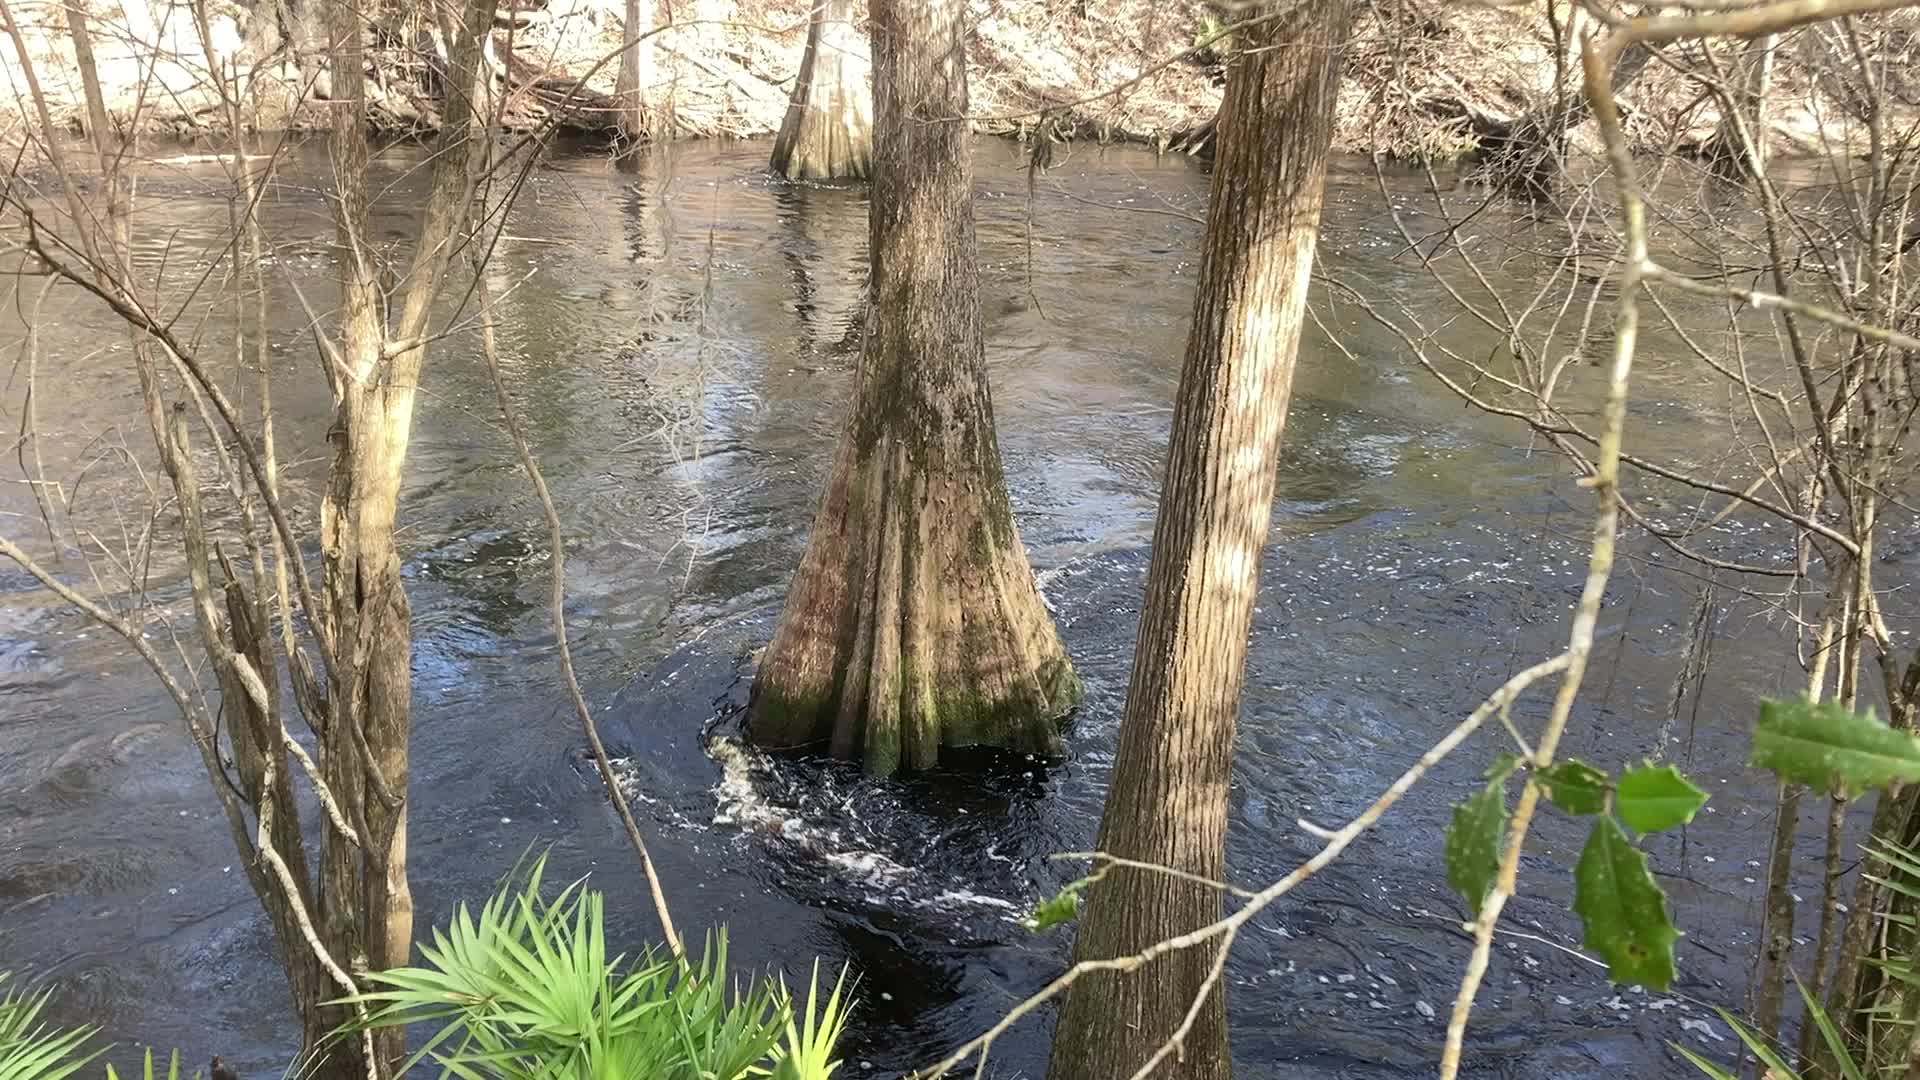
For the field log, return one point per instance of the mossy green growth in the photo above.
(786, 721)
(968, 718)
(881, 757)
(1027, 722)
(981, 545)
(1061, 684)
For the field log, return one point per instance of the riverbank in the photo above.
(1433, 85)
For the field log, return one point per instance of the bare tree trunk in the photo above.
(828, 130)
(348, 908)
(913, 622)
(366, 898)
(636, 72)
(1740, 143)
(305, 23)
(1167, 802)
(1777, 953)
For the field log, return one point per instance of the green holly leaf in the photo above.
(1574, 786)
(1061, 907)
(1473, 843)
(1651, 799)
(1624, 912)
(1826, 746)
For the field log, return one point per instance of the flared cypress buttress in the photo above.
(913, 622)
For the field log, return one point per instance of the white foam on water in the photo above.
(969, 898)
(738, 803)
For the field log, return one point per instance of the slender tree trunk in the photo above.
(636, 71)
(359, 913)
(1740, 143)
(913, 622)
(305, 25)
(828, 130)
(1167, 802)
(1777, 952)
(366, 900)
(349, 509)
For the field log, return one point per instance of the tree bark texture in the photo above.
(913, 622)
(253, 731)
(366, 902)
(1167, 802)
(635, 73)
(827, 133)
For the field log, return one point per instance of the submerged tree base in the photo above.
(1028, 723)
(913, 623)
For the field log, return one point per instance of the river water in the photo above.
(680, 342)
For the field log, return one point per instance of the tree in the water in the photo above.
(828, 130)
(913, 622)
(1167, 803)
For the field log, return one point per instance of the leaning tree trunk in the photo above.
(1167, 803)
(913, 622)
(828, 130)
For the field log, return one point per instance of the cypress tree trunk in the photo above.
(828, 130)
(913, 622)
(1167, 803)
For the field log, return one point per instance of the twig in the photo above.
(1229, 926)
(1102, 861)
(557, 605)
(1605, 482)
(263, 845)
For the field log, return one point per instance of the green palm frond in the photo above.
(31, 1049)
(148, 1072)
(806, 1052)
(525, 989)
(1761, 1048)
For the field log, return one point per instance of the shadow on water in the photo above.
(681, 339)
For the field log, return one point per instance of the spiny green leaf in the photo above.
(1574, 786)
(1652, 799)
(1714, 1072)
(1061, 907)
(1473, 843)
(1824, 745)
(1842, 1053)
(1624, 912)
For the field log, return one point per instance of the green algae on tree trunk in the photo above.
(913, 622)
(827, 133)
(1167, 802)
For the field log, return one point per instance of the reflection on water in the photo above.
(680, 344)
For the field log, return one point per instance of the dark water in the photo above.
(680, 343)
